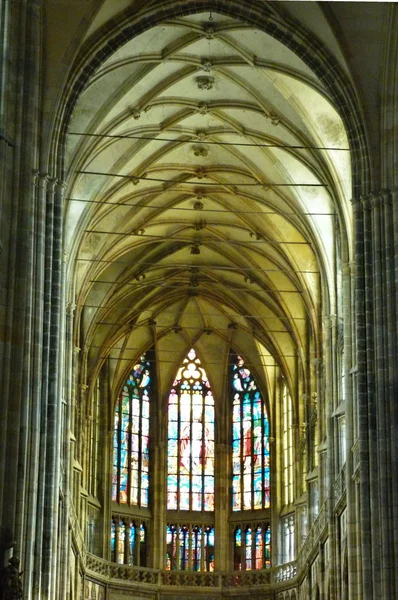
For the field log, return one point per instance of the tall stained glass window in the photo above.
(131, 438)
(250, 440)
(190, 481)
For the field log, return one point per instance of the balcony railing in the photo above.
(105, 571)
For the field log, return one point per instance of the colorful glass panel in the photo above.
(259, 549)
(268, 548)
(209, 546)
(238, 549)
(132, 544)
(121, 542)
(130, 477)
(190, 481)
(250, 442)
(248, 549)
(113, 541)
(189, 547)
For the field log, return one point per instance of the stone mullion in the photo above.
(222, 507)
(380, 295)
(391, 219)
(370, 395)
(352, 532)
(66, 481)
(57, 385)
(159, 484)
(362, 391)
(31, 525)
(329, 376)
(105, 458)
(389, 376)
(45, 514)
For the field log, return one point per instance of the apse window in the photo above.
(130, 482)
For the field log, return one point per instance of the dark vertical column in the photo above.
(376, 242)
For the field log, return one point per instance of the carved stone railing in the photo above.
(107, 571)
(285, 572)
(247, 578)
(190, 579)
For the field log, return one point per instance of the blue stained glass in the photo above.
(191, 437)
(250, 441)
(113, 539)
(249, 549)
(131, 442)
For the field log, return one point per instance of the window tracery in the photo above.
(190, 481)
(250, 442)
(130, 483)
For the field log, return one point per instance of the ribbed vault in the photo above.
(208, 171)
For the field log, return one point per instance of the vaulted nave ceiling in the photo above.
(208, 171)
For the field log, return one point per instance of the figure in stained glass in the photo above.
(130, 478)
(250, 449)
(190, 482)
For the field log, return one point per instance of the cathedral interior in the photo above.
(199, 272)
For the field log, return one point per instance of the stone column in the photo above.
(159, 488)
(222, 507)
(330, 345)
(376, 228)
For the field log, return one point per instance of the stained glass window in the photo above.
(267, 548)
(190, 481)
(253, 549)
(131, 438)
(238, 549)
(113, 541)
(250, 442)
(189, 547)
(121, 542)
(132, 544)
(128, 542)
(248, 548)
(259, 549)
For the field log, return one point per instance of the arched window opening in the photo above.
(128, 542)
(287, 426)
(288, 540)
(252, 550)
(190, 481)
(113, 540)
(250, 442)
(131, 438)
(238, 549)
(121, 542)
(189, 547)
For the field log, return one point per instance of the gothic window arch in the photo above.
(190, 440)
(130, 481)
(250, 441)
(288, 446)
(190, 469)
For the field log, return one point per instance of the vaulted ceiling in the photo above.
(207, 171)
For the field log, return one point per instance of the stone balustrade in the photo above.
(98, 568)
